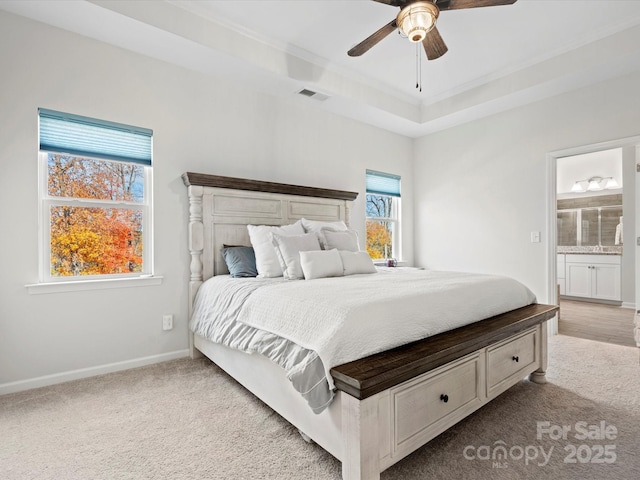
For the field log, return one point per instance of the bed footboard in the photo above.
(386, 424)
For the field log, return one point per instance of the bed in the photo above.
(389, 403)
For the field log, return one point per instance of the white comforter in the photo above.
(347, 318)
(215, 310)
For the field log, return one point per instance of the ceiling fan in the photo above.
(417, 21)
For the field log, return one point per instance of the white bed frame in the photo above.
(366, 434)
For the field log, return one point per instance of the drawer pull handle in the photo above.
(516, 358)
(444, 398)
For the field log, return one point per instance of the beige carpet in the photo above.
(188, 420)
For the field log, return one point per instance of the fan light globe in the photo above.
(417, 19)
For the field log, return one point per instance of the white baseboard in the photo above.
(631, 305)
(47, 380)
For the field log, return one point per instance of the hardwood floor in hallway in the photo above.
(596, 321)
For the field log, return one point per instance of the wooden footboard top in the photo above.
(368, 376)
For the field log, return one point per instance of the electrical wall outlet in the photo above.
(167, 322)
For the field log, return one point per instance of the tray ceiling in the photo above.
(499, 57)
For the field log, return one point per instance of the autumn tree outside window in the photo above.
(95, 195)
(383, 215)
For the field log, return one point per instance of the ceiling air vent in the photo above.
(311, 94)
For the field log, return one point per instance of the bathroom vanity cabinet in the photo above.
(590, 276)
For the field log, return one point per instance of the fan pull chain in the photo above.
(418, 67)
(417, 78)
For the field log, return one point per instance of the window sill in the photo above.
(80, 285)
(399, 265)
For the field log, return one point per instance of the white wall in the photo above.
(482, 188)
(200, 124)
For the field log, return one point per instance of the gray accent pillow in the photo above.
(240, 260)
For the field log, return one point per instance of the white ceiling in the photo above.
(499, 57)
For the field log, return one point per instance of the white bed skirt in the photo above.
(269, 382)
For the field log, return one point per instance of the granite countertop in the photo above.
(616, 250)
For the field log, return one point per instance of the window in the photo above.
(383, 215)
(95, 198)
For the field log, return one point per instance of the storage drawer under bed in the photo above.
(428, 405)
(510, 361)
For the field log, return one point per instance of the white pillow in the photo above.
(346, 240)
(267, 262)
(288, 248)
(357, 262)
(321, 264)
(318, 227)
(314, 226)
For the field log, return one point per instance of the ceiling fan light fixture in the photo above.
(417, 19)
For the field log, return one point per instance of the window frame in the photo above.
(394, 220)
(46, 202)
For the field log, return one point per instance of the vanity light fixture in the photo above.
(578, 188)
(611, 183)
(594, 184)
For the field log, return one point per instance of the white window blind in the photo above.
(379, 183)
(88, 137)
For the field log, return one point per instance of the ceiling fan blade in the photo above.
(433, 44)
(393, 3)
(459, 4)
(373, 39)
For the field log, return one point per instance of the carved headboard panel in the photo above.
(220, 208)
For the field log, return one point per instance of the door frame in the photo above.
(552, 234)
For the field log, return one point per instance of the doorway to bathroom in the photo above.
(595, 273)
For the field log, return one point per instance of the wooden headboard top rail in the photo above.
(204, 180)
